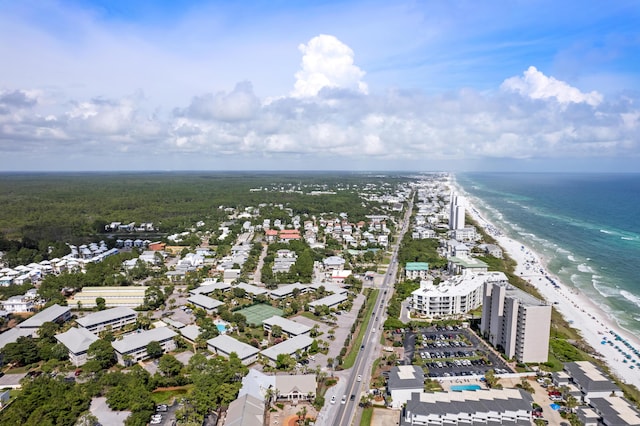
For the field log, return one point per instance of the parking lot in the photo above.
(451, 352)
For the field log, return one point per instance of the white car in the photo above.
(333, 399)
(359, 378)
(344, 399)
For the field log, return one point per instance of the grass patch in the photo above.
(165, 396)
(367, 415)
(374, 367)
(355, 347)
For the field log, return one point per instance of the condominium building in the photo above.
(129, 296)
(133, 347)
(456, 213)
(109, 319)
(455, 296)
(414, 270)
(482, 407)
(516, 322)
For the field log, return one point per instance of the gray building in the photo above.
(54, 313)
(225, 345)
(109, 319)
(486, 407)
(133, 347)
(77, 342)
(403, 381)
(515, 322)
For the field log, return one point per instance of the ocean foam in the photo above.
(571, 258)
(603, 289)
(604, 231)
(583, 267)
(631, 297)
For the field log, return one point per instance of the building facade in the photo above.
(516, 322)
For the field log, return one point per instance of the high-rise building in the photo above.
(515, 322)
(456, 212)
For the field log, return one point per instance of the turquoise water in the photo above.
(459, 388)
(584, 226)
(221, 328)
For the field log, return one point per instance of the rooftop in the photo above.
(139, 340)
(51, 314)
(77, 340)
(287, 325)
(105, 316)
(228, 345)
(289, 346)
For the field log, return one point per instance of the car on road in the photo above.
(333, 399)
(353, 397)
(359, 377)
(344, 399)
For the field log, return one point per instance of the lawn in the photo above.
(367, 415)
(166, 395)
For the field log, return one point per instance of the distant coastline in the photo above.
(596, 326)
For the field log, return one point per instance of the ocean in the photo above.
(586, 228)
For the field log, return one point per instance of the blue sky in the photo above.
(361, 85)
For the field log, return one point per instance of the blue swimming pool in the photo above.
(459, 388)
(221, 328)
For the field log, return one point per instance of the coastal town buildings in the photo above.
(110, 319)
(133, 347)
(454, 296)
(489, 406)
(516, 322)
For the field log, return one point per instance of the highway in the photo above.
(370, 349)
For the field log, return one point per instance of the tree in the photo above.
(154, 350)
(101, 304)
(101, 355)
(276, 331)
(285, 362)
(23, 351)
(169, 365)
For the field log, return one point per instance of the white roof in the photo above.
(228, 345)
(287, 325)
(52, 313)
(139, 340)
(289, 346)
(252, 289)
(205, 302)
(106, 315)
(330, 300)
(77, 339)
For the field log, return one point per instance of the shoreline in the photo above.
(592, 322)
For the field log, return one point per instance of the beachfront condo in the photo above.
(515, 322)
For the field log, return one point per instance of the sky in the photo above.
(455, 85)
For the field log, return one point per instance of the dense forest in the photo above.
(41, 212)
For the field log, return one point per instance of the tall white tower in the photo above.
(456, 212)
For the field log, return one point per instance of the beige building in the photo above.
(515, 322)
(128, 296)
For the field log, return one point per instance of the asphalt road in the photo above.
(370, 350)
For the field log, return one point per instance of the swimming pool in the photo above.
(221, 328)
(459, 388)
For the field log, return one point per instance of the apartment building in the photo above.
(110, 319)
(515, 322)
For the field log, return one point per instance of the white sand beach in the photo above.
(596, 327)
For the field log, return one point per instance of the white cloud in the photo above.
(239, 104)
(536, 85)
(327, 62)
